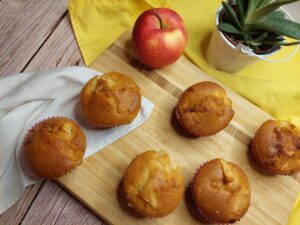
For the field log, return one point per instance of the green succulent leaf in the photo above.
(277, 13)
(255, 43)
(228, 28)
(273, 43)
(241, 10)
(266, 9)
(290, 43)
(281, 43)
(264, 2)
(252, 6)
(259, 24)
(277, 25)
(246, 39)
(231, 13)
(273, 39)
(261, 37)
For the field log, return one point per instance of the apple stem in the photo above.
(158, 17)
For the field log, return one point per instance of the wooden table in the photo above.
(37, 35)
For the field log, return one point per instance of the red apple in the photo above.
(159, 37)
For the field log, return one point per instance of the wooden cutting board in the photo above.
(97, 181)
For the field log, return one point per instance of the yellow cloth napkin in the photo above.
(274, 87)
(295, 215)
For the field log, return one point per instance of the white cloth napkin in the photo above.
(28, 98)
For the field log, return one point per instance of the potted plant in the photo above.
(247, 30)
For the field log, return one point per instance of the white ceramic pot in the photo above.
(225, 56)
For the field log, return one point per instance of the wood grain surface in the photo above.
(36, 35)
(48, 42)
(97, 182)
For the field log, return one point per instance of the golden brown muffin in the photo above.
(276, 147)
(204, 109)
(221, 191)
(153, 184)
(53, 147)
(110, 100)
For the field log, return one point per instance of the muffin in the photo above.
(153, 184)
(221, 191)
(204, 109)
(110, 100)
(53, 147)
(276, 147)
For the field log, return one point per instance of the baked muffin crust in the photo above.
(276, 147)
(54, 147)
(204, 109)
(110, 100)
(153, 184)
(221, 191)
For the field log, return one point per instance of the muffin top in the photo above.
(204, 109)
(153, 184)
(221, 191)
(276, 147)
(110, 100)
(53, 147)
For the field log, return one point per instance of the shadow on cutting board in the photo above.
(124, 204)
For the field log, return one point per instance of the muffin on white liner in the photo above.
(53, 147)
